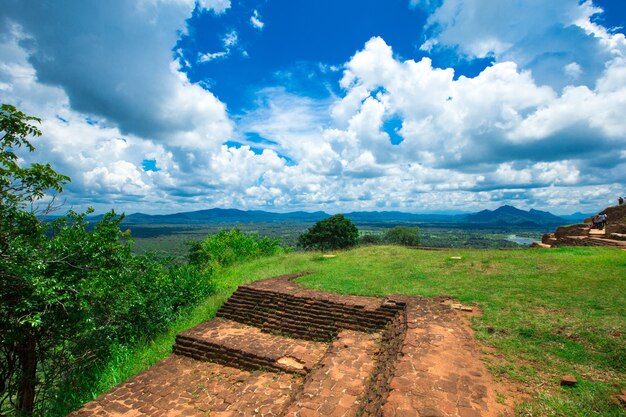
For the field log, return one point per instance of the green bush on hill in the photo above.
(402, 235)
(335, 232)
(370, 239)
(230, 246)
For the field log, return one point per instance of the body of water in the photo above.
(520, 240)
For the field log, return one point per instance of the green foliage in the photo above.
(21, 238)
(335, 232)
(370, 239)
(402, 235)
(69, 291)
(19, 185)
(76, 291)
(230, 246)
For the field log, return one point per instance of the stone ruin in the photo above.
(278, 349)
(614, 235)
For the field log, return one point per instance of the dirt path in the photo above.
(277, 349)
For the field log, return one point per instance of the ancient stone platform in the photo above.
(278, 349)
(612, 236)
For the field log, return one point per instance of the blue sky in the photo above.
(415, 105)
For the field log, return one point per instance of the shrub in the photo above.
(370, 239)
(75, 292)
(335, 232)
(402, 235)
(230, 246)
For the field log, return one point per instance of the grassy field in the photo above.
(546, 313)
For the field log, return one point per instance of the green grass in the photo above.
(546, 313)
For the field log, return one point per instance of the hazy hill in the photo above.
(217, 215)
(503, 216)
(509, 215)
(398, 216)
(577, 217)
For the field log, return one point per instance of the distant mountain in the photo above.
(399, 216)
(217, 215)
(577, 217)
(509, 215)
(503, 216)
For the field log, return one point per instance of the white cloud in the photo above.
(218, 6)
(467, 123)
(573, 71)
(211, 56)
(119, 67)
(474, 138)
(504, 135)
(229, 41)
(545, 36)
(255, 20)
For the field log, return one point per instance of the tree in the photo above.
(69, 290)
(335, 232)
(20, 186)
(20, 232)
(403, 235)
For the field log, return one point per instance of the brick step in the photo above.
(594, 241)
(315, 317)
(277, 308)
(252, 293)
(338, 385)
(279, 312)
(235, 344)
(541, 245)
(392, 339)
(607, 242)
(297, 330)
(312, 309)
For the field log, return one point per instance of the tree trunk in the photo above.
(28, 377)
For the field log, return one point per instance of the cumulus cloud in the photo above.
(77, 47)
(460, 127)
(546, 36)
(113, 95)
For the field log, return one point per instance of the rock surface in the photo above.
(585, 235)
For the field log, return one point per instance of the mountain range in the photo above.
(503, 216)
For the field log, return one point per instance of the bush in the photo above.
(230, 246)
(370, 239)
(335, 232)
(76, 292)
(402, 235)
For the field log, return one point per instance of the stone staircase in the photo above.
(584, 236)
(277, 349)
(613, 235)
(246, 347)
(291, 312)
